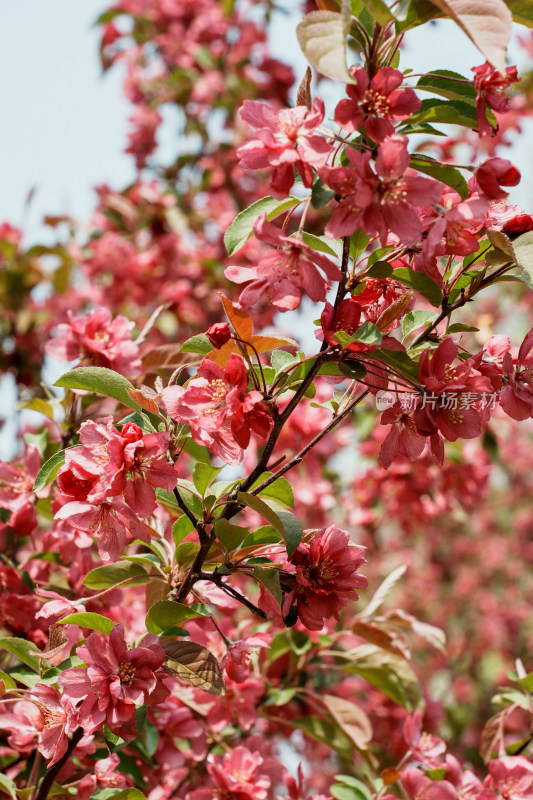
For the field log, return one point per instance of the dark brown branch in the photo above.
(55, 769)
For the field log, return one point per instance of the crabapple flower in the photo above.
(17, 493)
(284, 141)
(237, 774)
(511, 777)
(116, 681)
(375, 102)
(284, 274)
(326, 576)
(516, 398)
(491, 86)
(454, 225)
(219, 410)
(382, 201)
(403, 437)
(236, 662)
(105, 775)
(424, 746)
(346, 318)
(96, 339)
(419, 787)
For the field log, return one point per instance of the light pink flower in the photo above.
(403, 437)
(516, 398)
(424, 746)
(284, 141)
(97, 339)
(285, 274)
(237, 775)
(491, 88)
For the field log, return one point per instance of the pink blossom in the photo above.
(494, 173)
(142, 141)
(456, 222)
(105, 775)
(237, 775)
(115, 682)
(491, 88)
(285, 274)
(346, 318)
(511, 777)
(17, 493)
(326, 576)
(284, 141)
(375, 102)
(382, 201)
(424, 746)
(97, 339)
(403, 438)
(419, 787)
(219, 410)
(516, 398)
(236, 662)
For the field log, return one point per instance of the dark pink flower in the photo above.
(284, 274)
(511, 777)
(491, 88)
(16, 493)
(419, 787)
(346, 318)
(403, 437)
(97, 339)
(116, 681)
(142, 141)
(104, 775)
(455, 225)
(380, 202)
(326, 576)
(516, 398)
(236, 662)
(284, 141)
(376, 102)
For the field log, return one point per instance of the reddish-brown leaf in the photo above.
(241, 321)
(382, 634)
(303, 95)
(195, 665)
(143, 399)
(492, 734)
(350, 718)
(394, 311)
(168, 356)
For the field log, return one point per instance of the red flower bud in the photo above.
(218, 334)
(131, 432)
(517, 225)
(495, 173)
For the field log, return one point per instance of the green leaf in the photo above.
(523, 250)
(438, 82)
(332, 247)
(231, 536)
(264, 535)
(21, 648)
(166, 613)
(415, 319)
(241, 228)
(269, 578)
(522, 11)
(8, 786)
(181, 528)
(9, 683)
(122, 794)
(379, 11)
(37, 404)
(49, 470)
(326, 732)
(89, 619)
(283, 521)
(111, 574)
(279, 490)
(321, 194)
(188, 494)
(441, 172)
(322, 36)
(197, 344)
(420, 282)
(421, 127)
(363, 792)
(203, 475)
(452, 112)
(367, 333)
(388, 672)
(457, 327)
(101, 381)
(398, 360)
(379, 269)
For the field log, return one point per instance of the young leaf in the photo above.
(195, 666)
(101, 381)
(203, 475)
(197, 344)
(322, 36)
(241, 321)
(487, 23)
(89, 619)
(241, 228)
(49, 470)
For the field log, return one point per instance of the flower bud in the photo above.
(218, 334)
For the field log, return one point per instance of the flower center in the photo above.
(126, 673)
(376, 103)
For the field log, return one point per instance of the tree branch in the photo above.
(55, 769)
